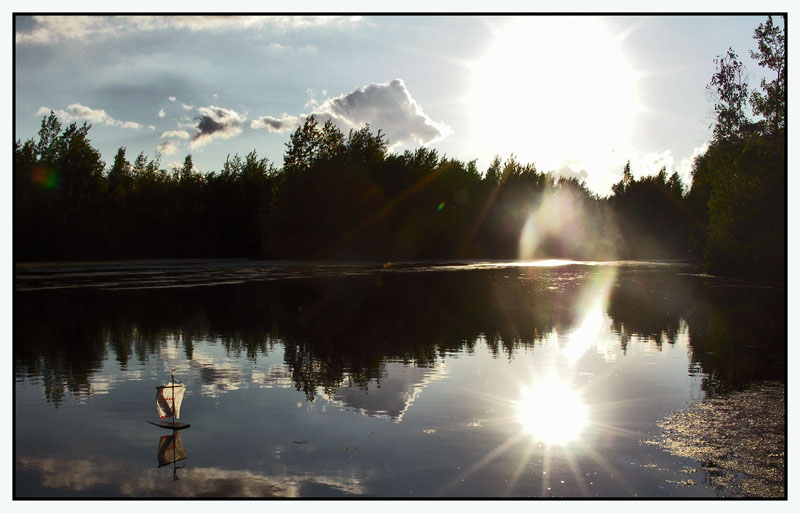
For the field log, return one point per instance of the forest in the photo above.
(340, 196)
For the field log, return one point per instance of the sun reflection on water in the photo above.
(590, 309)
(552, 412)
(551, 409)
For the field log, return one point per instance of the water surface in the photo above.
(457, 379)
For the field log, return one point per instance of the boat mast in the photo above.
(172, 372)
(174, 455)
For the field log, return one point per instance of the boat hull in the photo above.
(168, 424)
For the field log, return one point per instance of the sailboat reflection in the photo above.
(171, 451)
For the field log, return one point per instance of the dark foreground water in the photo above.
(410, 380)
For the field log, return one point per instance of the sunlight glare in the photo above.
(591, 306)
(552, 412)
(554, 89)
(580, 340)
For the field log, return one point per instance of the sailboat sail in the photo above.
(165, 402)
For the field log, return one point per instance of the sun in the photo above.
(554, 90)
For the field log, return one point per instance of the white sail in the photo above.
(164, 400)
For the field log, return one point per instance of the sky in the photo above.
(575, 95)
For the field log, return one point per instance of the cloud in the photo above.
(76, 111)
(167, 148)
(283, 124)
(179, 134)
(568, 172)
(202, 23)
(651, 163)
(161, 113)
(278, 47)
(47, 29)
(50, 29)
(172, 99)
(685, 166)
(215, 122)
(388, 107)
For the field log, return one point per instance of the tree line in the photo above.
(345, 196)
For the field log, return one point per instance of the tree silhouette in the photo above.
(737, 200)
(772, 55)
(344, 196)
(728, 88)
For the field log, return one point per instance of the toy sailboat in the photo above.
(168, 403)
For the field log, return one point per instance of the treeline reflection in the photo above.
(344, 330)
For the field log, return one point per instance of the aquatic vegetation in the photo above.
(739, 437)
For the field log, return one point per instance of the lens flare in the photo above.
(559, 225)
(45, 178)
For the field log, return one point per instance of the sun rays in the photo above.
(552, 413)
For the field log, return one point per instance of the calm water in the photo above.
(406, 380)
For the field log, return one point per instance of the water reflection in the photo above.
(83, 475)
(500, 371)
(170, 451)
(552, 411)
(339, 331)
(389, 396)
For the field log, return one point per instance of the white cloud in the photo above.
(161, 113)
(216, 122)
(684, 168)
(49, 29)
(76, 111)
(281, 23)
(167, 148)
(388, 107)
(172, 99)
(568, 172)
(651, 163)
(179, 134)
(277, 47)
(648, 164)
(283, 124)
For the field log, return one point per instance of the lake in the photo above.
(397, 380)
